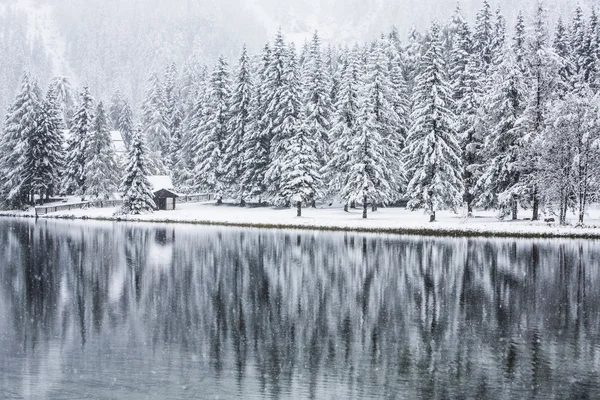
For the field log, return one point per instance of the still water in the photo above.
(140, 311)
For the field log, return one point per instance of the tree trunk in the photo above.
(374, 206)
(353, 204)
(470, 209)
(220, 200)
(365, 207)
(515, 210)
(536, 207)
(432, 217)
(313, 203)
(346, 207)
(299, 208)
(242, 203)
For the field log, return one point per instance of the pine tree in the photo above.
(317, 99)
(65, 98)
(345, 125)
(563, 51)
(286, 113)
(257, 145)
(433, 153)
(173, 115)
(381, 100)
(368, 177)
(237, 143)
(101, 173)
(78, 143)
(498, 186)
(213, 131)
(116, 109)
(484, 38)
(542, 66)
(154, 123)
(45, 154)
(137, 191)
(19, 129)
(125, 123)
(300, 177)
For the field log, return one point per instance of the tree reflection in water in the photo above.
(123, 310)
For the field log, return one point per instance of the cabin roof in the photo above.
(164, 193)
(161, 182)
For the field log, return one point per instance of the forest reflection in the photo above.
(116, 309)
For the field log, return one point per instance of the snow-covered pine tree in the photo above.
(400, 99)
(369, 178)
(137, 191)
(65, 98)
(470, 132)
(542, 67)
(433, 152)
(257, 144)
(125, 123)
(592, 53)
(173, 115)
(45, 149)
(300, 177)
(154, 123)
(578, 47)
(276, 94)
(115, 110)
(241, 122)
(182, 174)
(380, 98)
(101, 171)
(344, 127)
(484, 38)
(213, 132)
(562, 48)
(77, 147)
(286, 115)
(19, 127)
(498, 36)
(498, 185)
(412, 57)
(317, 99)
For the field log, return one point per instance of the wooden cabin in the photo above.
(165, 199)
(165, 196)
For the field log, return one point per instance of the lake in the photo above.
(105, 310)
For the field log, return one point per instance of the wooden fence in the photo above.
(195, 198)
(43, 210)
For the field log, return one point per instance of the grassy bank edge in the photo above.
(439, 232)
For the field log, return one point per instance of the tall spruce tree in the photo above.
(542, 67)
(433, 152)
(498, 186)
(258, 142)
(154, 123)
(137, 191)
(213, 131)
(101, 171)
(19, 129)
(345, 125)
(287, 114)
(77, 148)
(45, 149)
(237, 142)
(317, 98)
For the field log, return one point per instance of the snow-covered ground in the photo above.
(391, 220)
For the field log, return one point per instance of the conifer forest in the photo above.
(474, 114)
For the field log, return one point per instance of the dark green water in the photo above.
(135, 311)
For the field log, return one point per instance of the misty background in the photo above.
(117, 44)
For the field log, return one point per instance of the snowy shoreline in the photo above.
(386, 221)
